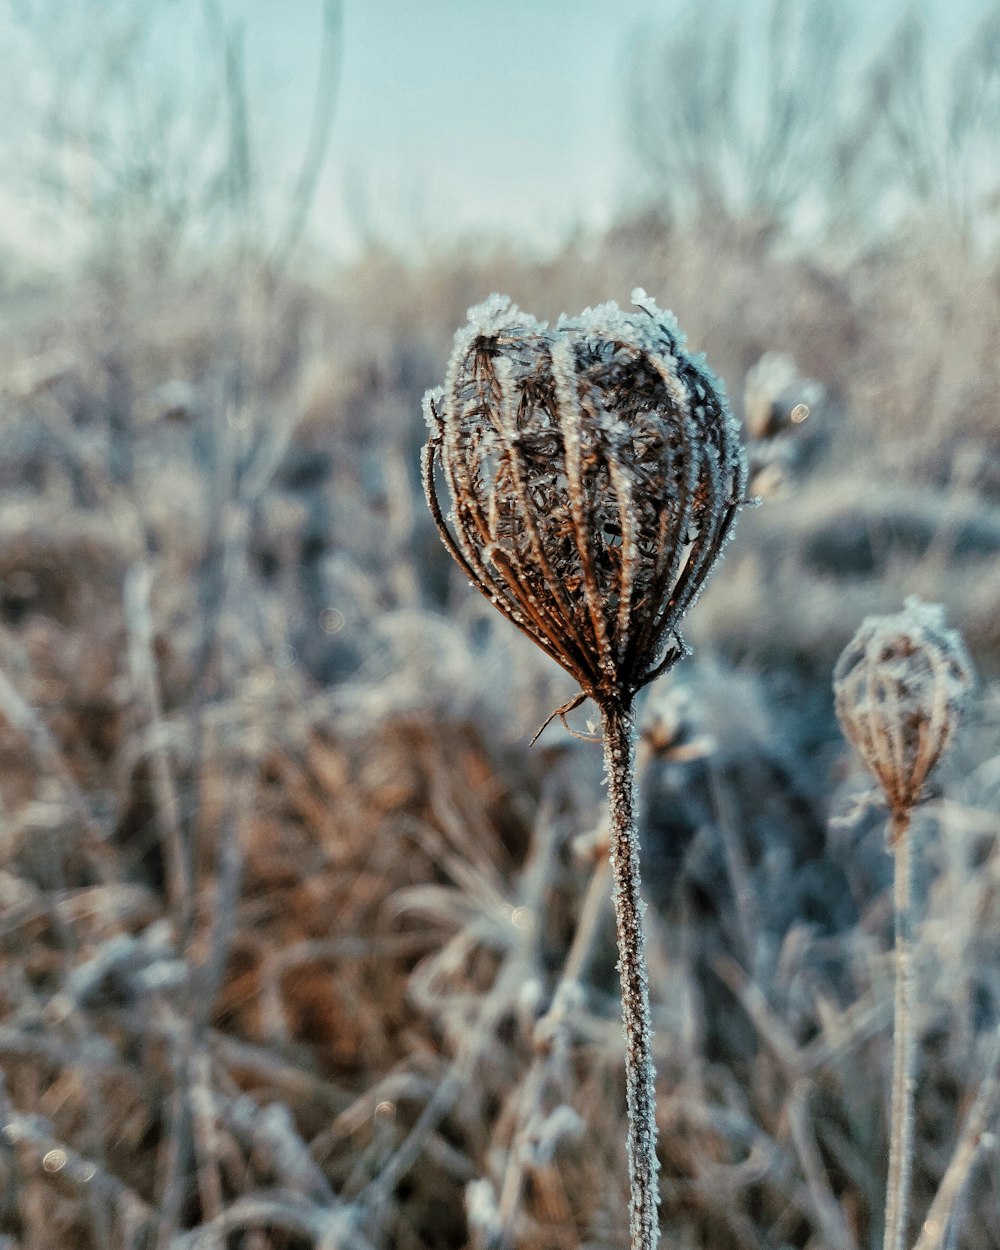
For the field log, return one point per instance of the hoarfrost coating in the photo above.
(593, 472)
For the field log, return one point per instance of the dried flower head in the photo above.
(776, 398)
(899, 687)
(594, 472)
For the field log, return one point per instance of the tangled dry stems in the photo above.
(325, 1044)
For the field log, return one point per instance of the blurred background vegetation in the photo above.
(283, 892)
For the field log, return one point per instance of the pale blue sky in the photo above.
(477, 117)
(459, 115)
(506, 115)
(490, 116)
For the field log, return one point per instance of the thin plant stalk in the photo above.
(899, 688)
(594, 474)
(619, 760)
(897, 1199)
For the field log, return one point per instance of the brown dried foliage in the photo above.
(390, 858)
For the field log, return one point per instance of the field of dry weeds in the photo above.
(302, 945)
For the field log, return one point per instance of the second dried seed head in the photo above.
(899, 688)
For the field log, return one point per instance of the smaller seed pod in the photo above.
(899, 688)
(594, 471)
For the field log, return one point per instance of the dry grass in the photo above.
(302, 946)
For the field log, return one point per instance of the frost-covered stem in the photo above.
(619, 761)
(897, 1198)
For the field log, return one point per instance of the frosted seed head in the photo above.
(593, 470)
(899, 688)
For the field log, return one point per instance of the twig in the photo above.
(274, 1209)
(222, 930)
(205, 1134)
(33, 1133)
(982, 1111)
(139, 626)
(327, 82)
(832, 1225)
(769, 1027)
(736, 866)
(23, 718)
(175, 1146)
(271, 1132)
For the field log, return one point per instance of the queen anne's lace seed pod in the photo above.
(899, 687)
(594, 472)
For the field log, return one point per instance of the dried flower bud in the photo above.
(776, 398)
(899, 688)
(594, 472)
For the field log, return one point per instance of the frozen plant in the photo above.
(594, 473)
(899, 688)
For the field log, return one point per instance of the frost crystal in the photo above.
(594, 473)
(545, 1134)
(481, 1207)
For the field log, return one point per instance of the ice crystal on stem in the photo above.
(594, 472)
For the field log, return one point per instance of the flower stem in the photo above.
(897, 1200)
(619, 761)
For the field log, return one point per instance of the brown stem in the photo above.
(619, 761)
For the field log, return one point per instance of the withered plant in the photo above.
(594, 473)
(899, 688)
